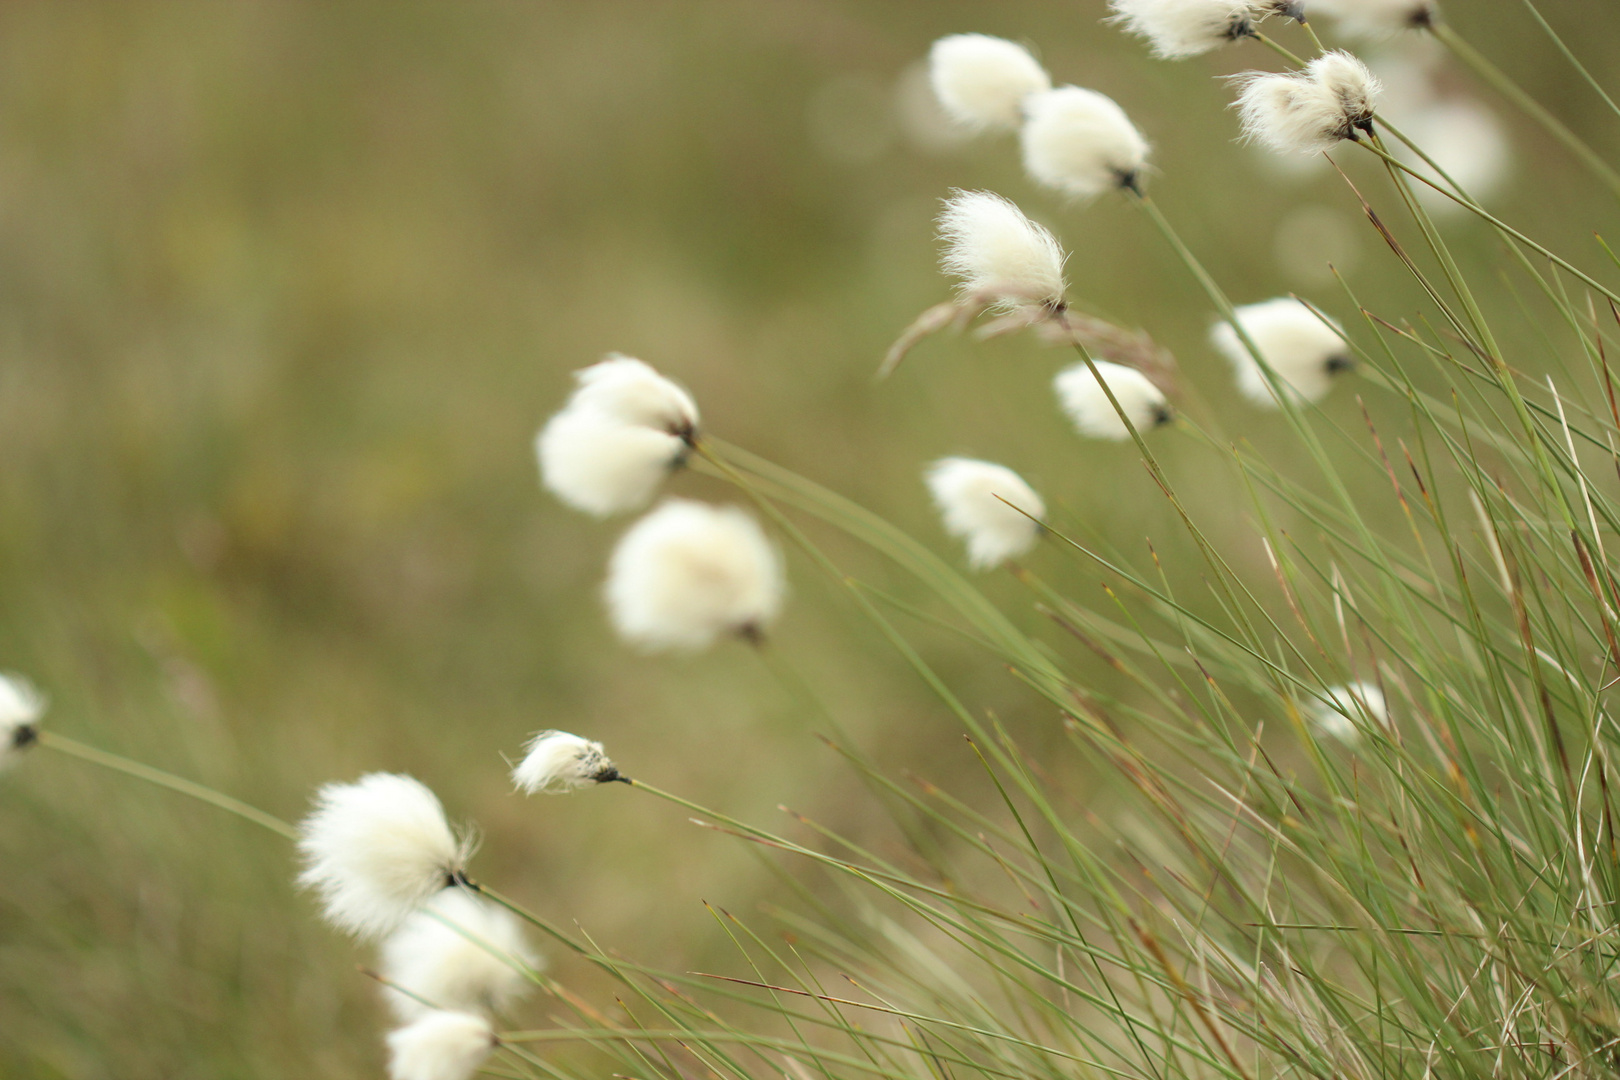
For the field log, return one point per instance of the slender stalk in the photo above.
(200, 792)
(1499, 81)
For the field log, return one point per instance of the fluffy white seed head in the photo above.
(1353, 707)
(1311, 110)
(1378, 18)
(600, 465)
(970, 494)
(459, 952)
(376, 850)
(982, 81)
(998, 254)
(1304, 352)
(21, 707)
(1466, 140)
(688, 573)
(1180, 28)
(1080, 142)
(441, 1045)
(632, 392)
(1081, 394)
(555, 761)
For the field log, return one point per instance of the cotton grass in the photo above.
(988, 506)
(1080, 393)
(689, 573)
(982, 82)
(21, 708)
(375, 850)
(557, 762)
(998, 255)
(440, 1045)
(1305, 353)
(458, 952)
(1332, 99)
(1177, 29)
(1081, 143)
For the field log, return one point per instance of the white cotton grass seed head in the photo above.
(375, 850)
(443, 1044)
(997, 254)
(983, 81)
(632, 392)
(1331, 99)
(988, 506)
(1305, 352)
(1347, 711)
(1373, 19)
(1082, 397)
(556, 762)
(458, 952)
(602, 466)
(689, 573)
(1081, 143)
(1176, 29)
(21, 708)
(1467, 141)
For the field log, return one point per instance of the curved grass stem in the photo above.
(200, 792)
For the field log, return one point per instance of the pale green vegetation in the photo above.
(286, 291)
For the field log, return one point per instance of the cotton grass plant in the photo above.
(1361, 819)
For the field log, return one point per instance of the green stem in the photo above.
(1505, 86)
(74, 748)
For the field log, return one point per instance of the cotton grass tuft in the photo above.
(624, 430)
(1378, 18)
(999, 256)
(988, 506)
(1083, 399)
(1347, 711)
(1331, 99)
(601, 466)
(1176, 29)
(1304, 352)
(689, 573)
(555, 761)
(983, 81)
(376, 850)
(459, 952)
(441, 1045)
(1081, 143)
(21, 708)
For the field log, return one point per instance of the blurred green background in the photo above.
(285, 291)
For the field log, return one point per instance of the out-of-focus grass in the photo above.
(286, 289)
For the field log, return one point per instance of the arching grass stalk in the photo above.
(167, 780)
(1502, 84)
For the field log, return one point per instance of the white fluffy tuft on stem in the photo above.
(1331, 99)
(1348, 709)
(688, 573)
(1303, 351)
(974, 496)
(441, 1045)
(632, 392)
(624, 430)
(1081, 143)
(556, 762)
(1176, 29)
(376, 850)
(999, 255)
(602, 466)
(1373, 19)
(21, 708)
(459, 952)
(1081, 394)
(983, 81)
